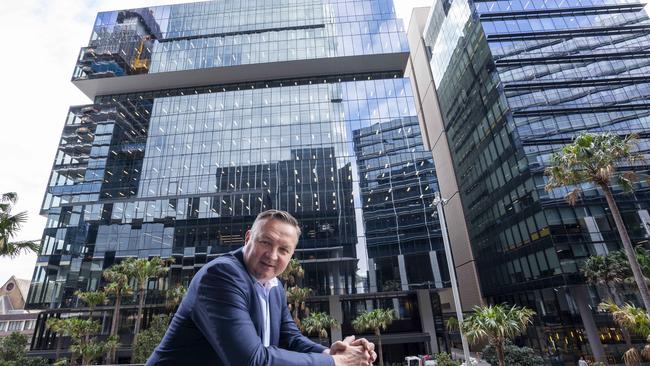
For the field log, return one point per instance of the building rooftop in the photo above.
(13, 295)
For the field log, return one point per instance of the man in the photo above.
(235, 311)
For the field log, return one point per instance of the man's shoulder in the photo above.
(224, 265)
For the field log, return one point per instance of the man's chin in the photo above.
(266, 276)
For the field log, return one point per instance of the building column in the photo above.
(336, 278)
(435, 269)
(426, 319)
(372, 275)
(579, 294)
(402, 272)
(396, 306)
(369, 305)
(336, 312)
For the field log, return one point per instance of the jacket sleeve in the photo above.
(290, 336)
(220, 312)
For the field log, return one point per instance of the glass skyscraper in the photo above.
(205, 114)
(515, 81)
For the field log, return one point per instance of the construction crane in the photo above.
(140, 64)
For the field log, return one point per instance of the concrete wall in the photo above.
(435, 139)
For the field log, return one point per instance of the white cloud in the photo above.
(403, 8)
(41, 43)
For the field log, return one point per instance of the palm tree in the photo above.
(609, 271)
(93, 349)
(296, 297)
(118, 286)
(142, 270)
(605, 270)
(80, 331)
(496, 324)
(592, 158)
(375, 320)
(452, 324)
(292, 274)
(637, 321)
(55, 325)
(92, 299)
(174, 296)
(318, 323)
(9, 227)
(643, 256)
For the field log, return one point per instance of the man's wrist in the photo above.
(326, 351)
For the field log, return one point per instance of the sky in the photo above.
(42, 41)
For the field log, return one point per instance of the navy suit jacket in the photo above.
(219, 322)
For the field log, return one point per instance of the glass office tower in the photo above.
(515, 81)
(206, 114)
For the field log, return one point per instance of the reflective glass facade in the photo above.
(182, 172)
(516, 80)
(215, 34)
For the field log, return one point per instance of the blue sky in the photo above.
(41, 43)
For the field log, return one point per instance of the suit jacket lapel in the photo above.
(256, 308)
(275, 307)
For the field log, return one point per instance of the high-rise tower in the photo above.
(504, 84)
(205, 114)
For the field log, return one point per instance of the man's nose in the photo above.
(273, 254)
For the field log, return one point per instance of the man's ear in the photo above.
(247, 237)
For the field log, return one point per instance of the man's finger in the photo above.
(348, 339)
(365, 343)
(337, 347)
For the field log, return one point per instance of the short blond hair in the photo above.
(279, 215)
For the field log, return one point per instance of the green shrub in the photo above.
(443, 359)
(514, 356)
(149, 339)
(12, 352)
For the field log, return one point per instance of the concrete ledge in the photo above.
(243, 73)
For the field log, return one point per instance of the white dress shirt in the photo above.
(263, 291)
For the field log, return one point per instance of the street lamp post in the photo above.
(439, 202)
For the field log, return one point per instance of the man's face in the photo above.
(268, 248)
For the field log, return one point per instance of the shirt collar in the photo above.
(273, 282)
(269, 285)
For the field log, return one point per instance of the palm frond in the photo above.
(496, 323)
(9, 197)
(592, 158)
(631, 357)
(13, 249)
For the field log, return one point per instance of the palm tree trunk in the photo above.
(613, 294)
(627, 246)
(116, 314)
(114, 324)
(138, 319)
(611, 291)
(500, 352)
(381, 352)
(90, 317)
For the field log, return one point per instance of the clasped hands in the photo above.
(353, 352)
